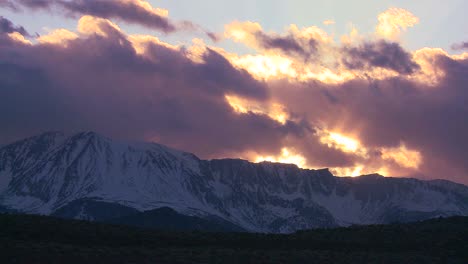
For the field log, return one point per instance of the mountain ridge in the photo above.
(44, 173)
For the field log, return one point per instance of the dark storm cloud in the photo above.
(6, 26)
(161, 96)
(288, 45)
(382, 54)
(460, 46)
(128, 11)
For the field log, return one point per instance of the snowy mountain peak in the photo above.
(72, 175)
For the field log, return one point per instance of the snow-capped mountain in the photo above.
(88, 176)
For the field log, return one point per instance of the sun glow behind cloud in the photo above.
(350, 171)
(326, 64)
(403, 156)
(342, 142)
(244, 106)
(305, 76)
(400, 155)
(286, 156)
(271, 65)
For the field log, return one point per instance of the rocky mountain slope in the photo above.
(88, 176)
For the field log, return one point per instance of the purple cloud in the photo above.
(380, 54)
(161, 96)
(136, 12)
(129, 11)
(460, 46)
(384, 113)
(288, 45)
(6, 26)
(165, 96)
(16, 5)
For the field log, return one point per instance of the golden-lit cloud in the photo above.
(309, 53)
(460, 57)
(144, 5)
(403, 156)
(310, 33)
(329, 22)
(348, 171)
(287, 156)
(140, 43)
(275, 66)
(393, 21)
(353, 35)
(272, 66)
(390, 162)
(427, 58)
(303, 41)
(345, 143)
(15, 36)
(243, 32)
(89, 25)
(198, 50)
(358, 170)
(244, 106)
(342, 142)
(58, 37)
(431, 72)
(312, 94)
(266, 67)
(147, 6)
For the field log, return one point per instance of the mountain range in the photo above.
(91, 177)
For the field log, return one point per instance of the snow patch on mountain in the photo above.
(45, 173)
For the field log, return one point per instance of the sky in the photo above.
(355, 86)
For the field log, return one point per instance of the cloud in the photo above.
(131, 11)
(405, 126)
(6, 26)
(158, 94)
(363, 106)
(58, 36)
(16, 5)
(460, 46)
(382, 54)
(373, 93)
(311, 54)
(8, 4)
(393, 21)
(287, 45)
(302, 44)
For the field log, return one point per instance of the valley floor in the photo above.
(38, 239)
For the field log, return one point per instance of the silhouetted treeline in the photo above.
(38, 239)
